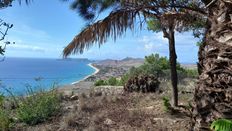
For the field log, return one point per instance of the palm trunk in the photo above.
(172, 59)
(213, 94)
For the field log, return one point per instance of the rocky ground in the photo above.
(109, 108)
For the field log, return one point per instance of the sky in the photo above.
(45, 27)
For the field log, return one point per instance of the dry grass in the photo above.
(111, 109)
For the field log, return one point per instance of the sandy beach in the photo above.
(96, 71)
(81, 85)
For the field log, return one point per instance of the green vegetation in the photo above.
(100, 83)
(153, 65)
(32, 109)
(160, 67)
(166, 103)
(38, 107)
(1, 100)
(5, 121)
(221, 125)
(112, 81)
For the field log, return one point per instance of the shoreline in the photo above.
(95, 72)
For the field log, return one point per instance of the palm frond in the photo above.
(222, 125)
(113, 26)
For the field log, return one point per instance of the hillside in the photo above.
(126, 62)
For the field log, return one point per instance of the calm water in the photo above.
(18, 73)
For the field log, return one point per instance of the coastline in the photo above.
(96, 71)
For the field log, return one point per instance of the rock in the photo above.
(74, 97)
(109, 122)
(69, 107)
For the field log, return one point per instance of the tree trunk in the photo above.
(172, 59)
(213, 94)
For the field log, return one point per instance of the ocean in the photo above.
(20, 74)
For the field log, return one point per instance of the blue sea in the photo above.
(20, 74)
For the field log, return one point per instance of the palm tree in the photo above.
(213, 94)
(123, 17)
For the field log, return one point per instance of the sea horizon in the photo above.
(17, 73)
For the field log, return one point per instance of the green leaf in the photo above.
(222, 125)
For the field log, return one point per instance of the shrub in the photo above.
(143, 83)
(124, 79)
(1, 100)
(38, 107)
(192, 73)
(5, 121)
(166, 103)
(112, 81)
(160, 67)
(99, 83)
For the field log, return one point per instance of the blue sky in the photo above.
(45, 27)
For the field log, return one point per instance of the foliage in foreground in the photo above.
(5, 121)
(38, 107)
(221, 125)
(166, 103)
(32, 109)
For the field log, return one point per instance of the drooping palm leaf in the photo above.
(113, 26)
(121, 19)
(88, 9)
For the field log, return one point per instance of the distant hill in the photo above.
(128, 61)
(189, 66)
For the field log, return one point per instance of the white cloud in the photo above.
(26, 47)
(154, 43)
(149, 46)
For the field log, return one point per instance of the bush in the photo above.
(38, 107)
(5, 121)
(112, 81)
(124, 79)
(99, 83)
(166, 103)
(1, 100)
(143, 83)
(160, 67)
(192, 73)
